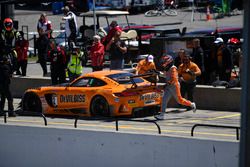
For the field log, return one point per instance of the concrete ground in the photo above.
(178, 122)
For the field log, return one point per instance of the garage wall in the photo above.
(40, 146)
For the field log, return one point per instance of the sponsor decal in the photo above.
(131, 101)
(54, 100)
(72, 98)
(149, 102)
(149, 96)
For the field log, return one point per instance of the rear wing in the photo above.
(148, 74)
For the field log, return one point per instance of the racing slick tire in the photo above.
(99, 106)
(31, 103)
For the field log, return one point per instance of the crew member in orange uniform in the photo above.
(172, 87)
(188, 71)
(97, 54)
(146, 65)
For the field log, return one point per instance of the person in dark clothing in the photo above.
(9, 37)
(224, 60)
(6, 66)
(44, 30)
(58, 64)
(5, 75)
(198, 58)
(117, 50)
(178, 58)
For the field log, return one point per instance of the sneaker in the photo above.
(193, 107)
(12, 114)
(159, 117)
(2, 113)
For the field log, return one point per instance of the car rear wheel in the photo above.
(31, 103)
(99, 106)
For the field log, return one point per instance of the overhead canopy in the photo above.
(104, 13)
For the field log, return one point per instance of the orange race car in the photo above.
(102, 93)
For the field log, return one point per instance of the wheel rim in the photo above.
(99, 106)
(32, 103)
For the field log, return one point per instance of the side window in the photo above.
(88, 82)
(83, 82)
(94, 82)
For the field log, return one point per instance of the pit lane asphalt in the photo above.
(178, 122)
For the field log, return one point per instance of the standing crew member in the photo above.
(5, 75)
(172, 87)
(22, 46)
(198, 58)
(58, 64)
(113, 28)
(44, 30)
(70, 25)
(75, 63)
(117, 50)
(188, 71)
(224, 60)
(97, 54)
(9, 36)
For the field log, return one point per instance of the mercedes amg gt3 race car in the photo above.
(102, 93)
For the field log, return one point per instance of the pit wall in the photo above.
(41, 146)
(206, 97)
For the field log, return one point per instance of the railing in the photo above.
(145, 120)
(217, 126)
(123, 119)
(37, 114)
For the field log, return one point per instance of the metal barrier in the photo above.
(217, 126)
(120, 119)
(37, 114)
(145, 120)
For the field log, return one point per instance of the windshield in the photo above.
(124, 78)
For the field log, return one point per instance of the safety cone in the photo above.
(208, 14)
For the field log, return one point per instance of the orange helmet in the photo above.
(8, 24)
